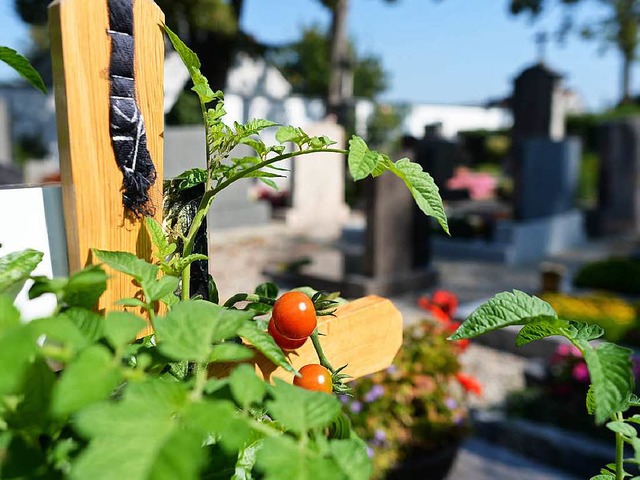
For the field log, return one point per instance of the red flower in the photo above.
(446, 300)
(435, 310)
(469, 383)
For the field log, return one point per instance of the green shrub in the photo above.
(620, 275)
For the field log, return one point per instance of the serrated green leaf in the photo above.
(281, 457)
(256, 125)
(264, 343)
(288, 133)
(88, 379)
(90, 324)
(230, 352)
(85, 287)
(189, 329)
(603, 477)
(158, 238)
(506, 308)
(191, 178)
(351, 456)
(222, 419)
(22, 65)
(270, 183)
(246, 387)
(360, 159)
(9, 314)
(611, 377)
(300, 410)
(591, 401)
(129, 264)
(120, 328)
(142, 437)
(246, 461)
(62, 330)
(15, 269)
(423, 188)
(622, 428)
(585, 331)
(162, 287)
(541, 328)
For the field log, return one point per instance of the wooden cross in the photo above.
(365, 334)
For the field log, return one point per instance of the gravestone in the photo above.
(318, 209)
(6, 147)
(619, 176)
(436, 154)
(391, 255)
(537, 104)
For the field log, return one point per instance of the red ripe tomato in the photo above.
(314, 377)
(294, 315)
(283, 342)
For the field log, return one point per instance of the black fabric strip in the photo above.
(128, 135)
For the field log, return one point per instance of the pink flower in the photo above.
(580, 372)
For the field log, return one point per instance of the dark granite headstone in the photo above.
(10, 175)
(546, 177)
(619, 179)
(437, 155)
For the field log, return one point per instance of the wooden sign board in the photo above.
(91, 180)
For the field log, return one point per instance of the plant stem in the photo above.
(315, 339)
(248, 297)
(619, 450)
(201, 380)
(187, 250)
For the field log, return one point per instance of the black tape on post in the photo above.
(128, 135)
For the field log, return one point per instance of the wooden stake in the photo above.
(91, 180)
(365, 334)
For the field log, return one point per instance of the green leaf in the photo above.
(120, 328)
(585, 331)
(189, 329)
(61, 329)
(161, 288)
(15, 269)
(89, 379)
(222, 419)
(32, 413)
(161, 245)
(9, 314)
(264, 343)
(622, 428)
(256, 125)
(191, 178)
(603, 476)
(611, 377)
(17, 347)
(423, 188)
(351, 456)
(541, 328)
(591, 401)
(131, 302)
(282, 458)
(43, 285)
(184, 262)
(288, 133)
(267, 289)
(246, 461)
(300, 410)
(85, 287)
(230, 352)
(506, 308)
(89, 323)
(129, 264)
(361, 160)
(246, 387)
(142, 437)
(22, 65)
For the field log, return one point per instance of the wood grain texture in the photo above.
(365, 334)
(91, 180)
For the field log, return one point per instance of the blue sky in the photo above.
(453, 51)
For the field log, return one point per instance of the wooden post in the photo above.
(80, 49)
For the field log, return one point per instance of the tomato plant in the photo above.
(314, 377)
(294, 316)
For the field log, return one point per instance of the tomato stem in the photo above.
(315, 339)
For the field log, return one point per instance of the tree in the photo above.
(307, 65)
(618, 27)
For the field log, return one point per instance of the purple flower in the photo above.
(375, 393)
(369, 452)
(379, 438)
(392, 369)
(451, 403)
(344, 398)
(355, 407)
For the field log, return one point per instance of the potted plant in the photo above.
(414, 414)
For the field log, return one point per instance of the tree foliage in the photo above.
(306, 64)
(617, 27)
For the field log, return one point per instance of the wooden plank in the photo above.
(365, 334)
(91, 180)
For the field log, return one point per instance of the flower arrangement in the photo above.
(418, 405)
